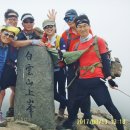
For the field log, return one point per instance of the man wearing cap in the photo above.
(7, 35)
(52, 40)
(9, 73)
(71, 38)
(28, 31)
(70, 35)
(92, 72)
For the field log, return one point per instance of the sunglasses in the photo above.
(69, 19)
(28, 21)
(8, 34)
(48, 26)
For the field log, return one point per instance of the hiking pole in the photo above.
(122, 92)
(116, 88)
(71, 82)
(74, 78)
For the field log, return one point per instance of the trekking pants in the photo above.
(84, 104)
(98, 90)
(59, 88)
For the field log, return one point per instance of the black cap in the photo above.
(81, 19)
(27, 16)
(10, 13)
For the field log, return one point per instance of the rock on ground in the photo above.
(101, 121)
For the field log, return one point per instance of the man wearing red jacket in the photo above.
(93, 71)
(71, 37)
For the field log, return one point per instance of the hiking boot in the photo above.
(10, 112)
(61, 114)
(69, 124)
(88, 122)
(90, 126)
(3, 122)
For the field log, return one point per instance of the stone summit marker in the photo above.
(34, 100)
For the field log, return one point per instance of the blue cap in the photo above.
(71, 12)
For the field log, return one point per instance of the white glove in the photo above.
(36, 41)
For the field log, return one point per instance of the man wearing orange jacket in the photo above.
(71, 37)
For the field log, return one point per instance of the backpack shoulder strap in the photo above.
(58, 41)
(76, 46)
(95, 44)
(68, 39)
(67, 34)
(96, 48)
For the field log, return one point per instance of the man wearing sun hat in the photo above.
(7, 35)
(52, 40)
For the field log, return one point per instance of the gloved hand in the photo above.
(36, 41)
(61, 63)
(112, 83)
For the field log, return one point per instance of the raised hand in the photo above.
(52, 14)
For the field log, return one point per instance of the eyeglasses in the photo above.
(28, 21)
(48, 26)
(8, 34)
(69, 19)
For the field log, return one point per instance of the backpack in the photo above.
(115, 64)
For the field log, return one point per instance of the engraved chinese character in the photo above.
(29, 69)
(30, 93)
(30, 107)
(29, 82)
(28, 56)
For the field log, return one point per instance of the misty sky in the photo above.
(109, 19)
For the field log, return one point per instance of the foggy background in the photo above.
(109, 20)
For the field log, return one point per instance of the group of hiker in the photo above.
(85, 77)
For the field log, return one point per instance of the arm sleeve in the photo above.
(106, 64)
